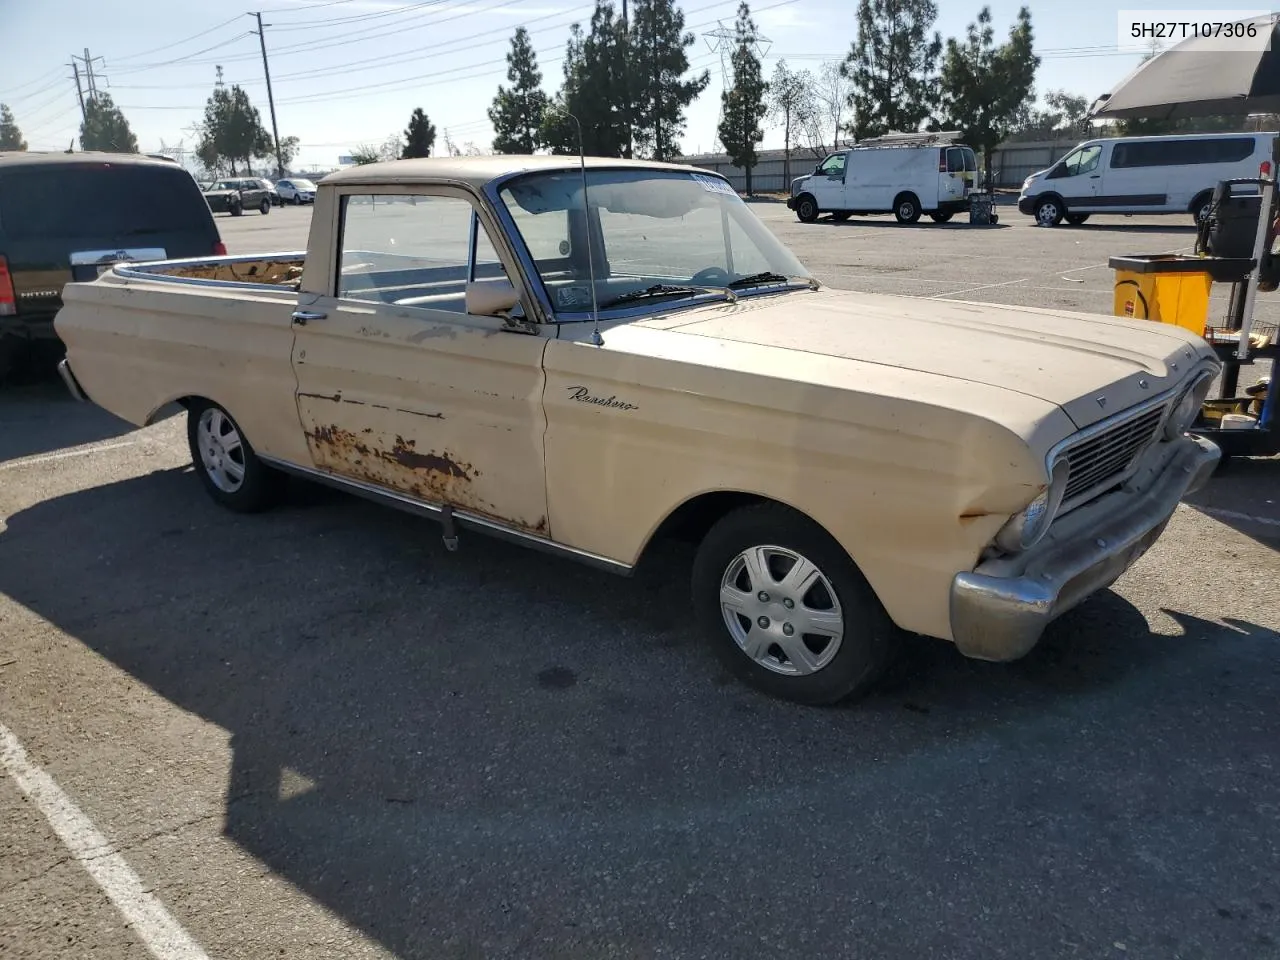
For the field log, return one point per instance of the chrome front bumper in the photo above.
(999, 611)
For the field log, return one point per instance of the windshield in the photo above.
(302, 184)
(651, 231)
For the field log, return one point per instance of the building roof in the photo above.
(478, 171)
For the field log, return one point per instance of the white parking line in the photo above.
(78, 452)
(985, 286)
(147, 917)
(1233, 515)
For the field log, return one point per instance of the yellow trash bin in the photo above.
(1166, 288)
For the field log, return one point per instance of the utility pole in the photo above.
(275, 133)
(75, 69)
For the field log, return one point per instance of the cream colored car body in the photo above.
(911, 430)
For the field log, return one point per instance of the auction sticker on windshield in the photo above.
(714, 185)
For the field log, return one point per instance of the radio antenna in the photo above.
(596, 339)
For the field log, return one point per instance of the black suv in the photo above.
(67, 216)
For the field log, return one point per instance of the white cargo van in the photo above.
(902, 174)
(1168, 174)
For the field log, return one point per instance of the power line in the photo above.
(177, 43)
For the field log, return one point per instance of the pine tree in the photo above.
(516, 113)
(232, 130)
(10, 135)
(105, 128)
(420, 134)
(659, 93)
(892, 65)
(594, 90)
(985, 88)
(743, 104)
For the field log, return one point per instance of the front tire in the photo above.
(786, 610)
(265, 207)
(236, 210)
(807, 209)
(1049, 212)
(906, 208)
(225, 461)
(297, 200)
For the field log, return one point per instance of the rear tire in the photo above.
(226, 463)
(906, 207)
(806, 209)
(745, 600)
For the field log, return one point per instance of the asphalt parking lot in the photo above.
(314, 733)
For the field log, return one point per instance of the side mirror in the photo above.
(491, 298)
(817, 169)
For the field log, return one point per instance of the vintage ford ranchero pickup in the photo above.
(587, 358)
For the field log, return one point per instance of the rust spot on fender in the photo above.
(403, 453)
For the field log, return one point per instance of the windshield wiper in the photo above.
(768, 276)
(665, 290)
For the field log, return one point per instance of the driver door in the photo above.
(399, 387)
(828, 184)
(1078, 179)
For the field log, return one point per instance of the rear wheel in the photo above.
(906, 208)
(1201, 207)
(807, 209)
(225, 462)
(939, 217)
(786, 610)
(1075, 219)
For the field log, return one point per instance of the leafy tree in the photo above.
(743, 104)
(791, 101)
(1065, 116)
(10, 135)
(516, 113)
(594, 90)
(420, 136)
(891, 65)
(366, 154)
(232, 131)
(659, 93)
(289, 147)
(984, 87)
(105, 128)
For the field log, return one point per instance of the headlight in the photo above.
(1025, 529)
(1184, 414)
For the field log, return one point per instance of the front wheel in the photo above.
(224, 459)
(939, 217)
(1049, 213)
(265, 207)
(807, 209)
(236, 210)
(786, 610)
(297, 200)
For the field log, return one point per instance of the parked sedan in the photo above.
(296, 191)
(236, 196)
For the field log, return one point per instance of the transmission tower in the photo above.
(724, 41)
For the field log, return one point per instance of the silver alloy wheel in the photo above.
(906, 209)
(1047, 213)
(781, 610)
(221, 450)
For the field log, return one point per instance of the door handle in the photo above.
(301, 317)
(1094, 176)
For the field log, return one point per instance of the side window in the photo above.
(1120, 156)
(412, 251)
(833, 166)
(955, 160)
(1083, 161)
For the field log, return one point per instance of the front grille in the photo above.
(1106, 458)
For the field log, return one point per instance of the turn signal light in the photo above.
(8, 300)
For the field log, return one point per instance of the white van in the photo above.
(1169, 174)
(902, 174)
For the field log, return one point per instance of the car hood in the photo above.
(1090, 365)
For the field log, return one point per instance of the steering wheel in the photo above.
(711, 276)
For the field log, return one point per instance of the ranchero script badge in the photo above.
(583, 395)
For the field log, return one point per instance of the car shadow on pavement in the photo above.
(1244, 494)
(40, 416)
(493, 753)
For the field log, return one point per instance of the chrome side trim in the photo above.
(153, 270)
(73, 386)
(434, 511)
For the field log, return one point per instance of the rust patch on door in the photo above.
(403, 453)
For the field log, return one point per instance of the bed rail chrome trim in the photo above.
(152, 270)
(434, 511)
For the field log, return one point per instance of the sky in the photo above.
(350, 72)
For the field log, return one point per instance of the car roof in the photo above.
(479, 171)
(23, 158)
